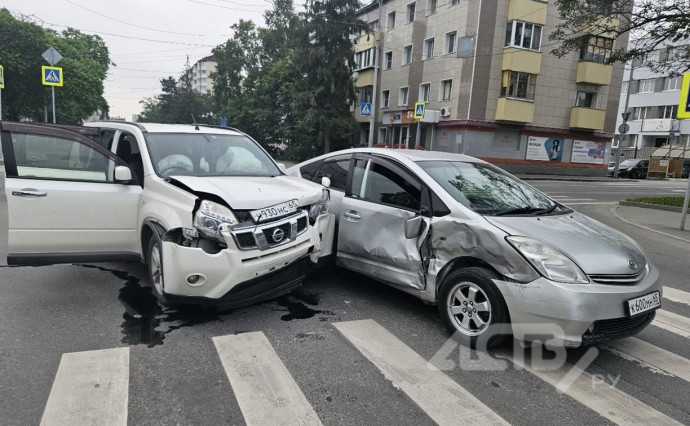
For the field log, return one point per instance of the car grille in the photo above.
(272, 234)
(617, 328)
(619, 279)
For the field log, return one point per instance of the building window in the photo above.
(667, 111)
(431, 7)
(403, 95)
(388, 60)
(454, 2)
(409, 13)
(385, 98)
(586, 99)
(519, 85)
(428, 52)
(383, 132)
(424, 90)
(451, 38)
(445, 90)
(365, 59)
(647, 85)
(672, 83)
(523, 34)
(391, 21)
(596, 49)
(364, 94)
(407, 55)
(642, 113)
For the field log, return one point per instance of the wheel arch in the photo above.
(149, 228)
(461, 263)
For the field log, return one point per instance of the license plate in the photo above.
(644, 303)
(271, 212)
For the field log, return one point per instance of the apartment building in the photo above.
(200, 74)
(492, 89)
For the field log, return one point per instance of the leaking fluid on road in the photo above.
(296, 305)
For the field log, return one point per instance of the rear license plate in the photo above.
(271, 212)
(644, 303)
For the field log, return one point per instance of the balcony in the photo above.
(527, 10)
(365, 42)
(365, 77)
(521, 60)
(514, 110)
(594, 73)
(587, 118)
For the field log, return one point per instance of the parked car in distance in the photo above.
(207, 209)
(632, 168)
(611, 167)
(490, 250)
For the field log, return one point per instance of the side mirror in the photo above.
(123, 174)
(412, 227)
(326, 181)
(282, 167)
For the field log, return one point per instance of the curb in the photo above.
(630, 222)
(651, 206)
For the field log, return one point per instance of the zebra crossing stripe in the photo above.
(440, 397)
(672, 322)
(678, 296)
(608, 401)
(654, 356)
(90, 388)
(265, 391)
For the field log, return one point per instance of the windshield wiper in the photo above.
(519, 210)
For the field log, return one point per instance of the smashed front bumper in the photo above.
(576, 313)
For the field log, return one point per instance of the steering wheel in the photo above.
(174, 169)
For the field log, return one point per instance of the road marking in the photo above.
(654, 356)
(572, 199)
(607, 400)
(600, 202)
(672, 322)
(90, 388)
(678, 296)
(265, 391)
(436, 394)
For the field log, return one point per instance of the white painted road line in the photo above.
(610, 402)
(90, 388)
(265, 391)
(654, 356)
(593, 202)
(672, 322)
(446, 402)
(568, 199)
(678, 296)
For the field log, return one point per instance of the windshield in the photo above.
(198, 154)
(488, 190)
(628, 163)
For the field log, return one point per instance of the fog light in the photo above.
(196, 279)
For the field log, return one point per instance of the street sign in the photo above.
(624, 128)
(419, 110)
(365, 109)
(52, 76)
(223, 121)
(2, 77)
(51, 56)
(684, 102)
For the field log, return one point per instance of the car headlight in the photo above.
(550, 262)
(321, 207)
(209, 218)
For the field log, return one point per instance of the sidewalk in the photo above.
(655, 220)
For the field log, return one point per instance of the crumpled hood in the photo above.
(251, 192)
(595, 247)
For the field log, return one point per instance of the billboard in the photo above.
(544, 149)
(588, 152)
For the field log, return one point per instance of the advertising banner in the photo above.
(544, 149)
(588, 152)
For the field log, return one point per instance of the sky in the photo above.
(148, 40)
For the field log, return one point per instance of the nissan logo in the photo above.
(631, 263)
(278, 235)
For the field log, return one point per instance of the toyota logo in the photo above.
(278, 235)
(632, 264)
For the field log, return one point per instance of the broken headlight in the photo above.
(209, 218)
(550, 262)
(321, 207)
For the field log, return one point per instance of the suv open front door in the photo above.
(63, 200)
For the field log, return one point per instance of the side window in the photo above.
(128, 150)
(48, 157)
(336, 170)
(107, 137)
(380, 184)
(308, 170)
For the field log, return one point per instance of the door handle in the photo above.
(29, 193)
(352, 215)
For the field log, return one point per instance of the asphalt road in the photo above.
(175, 375)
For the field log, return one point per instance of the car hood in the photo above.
(595, 247)
(251, 192)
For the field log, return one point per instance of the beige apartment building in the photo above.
(491, 87)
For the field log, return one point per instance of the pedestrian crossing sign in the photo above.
(684, 103)
(52, 76)
(419, 110)
(365, 109)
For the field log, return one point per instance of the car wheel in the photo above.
(633, 175)
(473, 308)
(154, 265)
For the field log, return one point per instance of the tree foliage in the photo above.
(85, 65)
(651, 25)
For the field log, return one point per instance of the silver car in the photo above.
(499, 257)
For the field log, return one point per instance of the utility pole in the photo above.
(624, 128)
(377, 55)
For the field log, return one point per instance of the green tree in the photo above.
(655, 23)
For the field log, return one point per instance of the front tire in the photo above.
(473, 309)
(154, 265)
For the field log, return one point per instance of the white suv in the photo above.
(212, 215)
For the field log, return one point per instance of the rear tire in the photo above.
(154, 266)
(473, 309)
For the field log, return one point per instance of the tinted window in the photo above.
(308, 170)
(380, 184)
(336, 171)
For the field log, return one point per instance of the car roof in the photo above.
(167, 128)
(409, 154)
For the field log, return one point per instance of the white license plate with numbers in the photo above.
(278, 210)
(644, 303)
